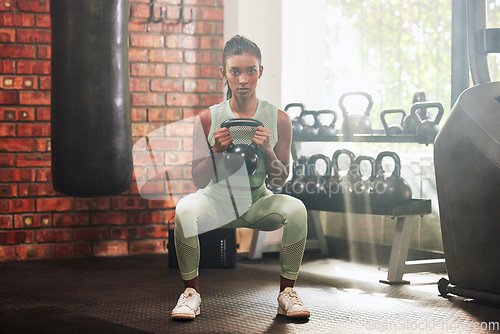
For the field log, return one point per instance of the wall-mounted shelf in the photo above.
(378, 136)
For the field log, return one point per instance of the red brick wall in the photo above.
(173, 74)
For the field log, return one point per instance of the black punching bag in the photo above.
(91, 137)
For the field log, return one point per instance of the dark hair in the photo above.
(237, 46)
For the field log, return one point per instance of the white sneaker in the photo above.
(188, 305)
(290, 304)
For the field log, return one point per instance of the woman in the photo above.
(265, 211)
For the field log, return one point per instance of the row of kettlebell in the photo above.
(339, 191)
(310, 125)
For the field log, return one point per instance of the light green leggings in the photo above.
(195, 213)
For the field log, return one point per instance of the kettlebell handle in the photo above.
(325, 112)
(357, 163)
(363, 94)
(397, 162)
(241, 122)
(293, 105)
(305, 113)
(336, 155)
(391, 111)
(311, 164)
(425, 105)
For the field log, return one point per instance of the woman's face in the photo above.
(242, 73)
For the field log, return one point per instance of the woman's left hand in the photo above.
(261, 138)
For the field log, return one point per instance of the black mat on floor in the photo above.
(136, 295)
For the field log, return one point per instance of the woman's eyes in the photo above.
(250, 71)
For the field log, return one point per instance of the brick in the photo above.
(90, 234)
(203, 28)
(137, 26)
(7, 129)
(17, 205)
(34, 36)
(211, 42)
(146, 217)
(183, 71)
(166, 204)
(139, 115)
(168, 115)
(181, 42)
(147, 70)
(10, 114)
(147, 99)
(182, 100)
(43, 52)
(202, 57)
(109, 218)
(210, 3)
(33, 5)
(43, 114)
(36, 190)
(211, 99)
(34, 98)
(208, 71)
(92, 204)
(16, 20)
(16, 175)
(147, 247)
(17, 51)
(118, 233)
(212, 14)
(34, 160)
(8, 190)
(139, 84)
(30, 220)
(42, 145)
(146, 41)
(33, 67)
(141, 10)
(45, 83)
(137, 55)
(7, 253)
(42, 20)
(7, 35)
(37, 251)
(71, 219)
(156, 231)
(202, 86)
(54, 235)
(7, 66)
(110, 248)
(43, 175)
(5, 222)
(143, 129)
(165, 56)
(71, 250)
(16, 237)
(54, 204)
(7, 5)
(18, 82)
(33, 130)
(166, 85)
(129, 203)
(9, 97)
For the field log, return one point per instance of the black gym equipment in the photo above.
(91, 137)
(426, 127)
(409, 122)
(467, 164)
(239, 154)
(310, 126)
(393, 190)
(326, 130)
(356, 123)
(296, 123)
(392, 129)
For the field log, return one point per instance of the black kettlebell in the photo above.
(392, 129)
(409, 122)
(298, 171)
(337, 184)
(239, 154)
(427, 128)
(393, 190)
(326, 131)
(310, 126)
(296, 123)
(316, 183)
(356, 123)
(361, 184)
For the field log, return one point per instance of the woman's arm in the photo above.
(277, 160)
(203, 169)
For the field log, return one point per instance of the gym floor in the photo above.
(136, 294)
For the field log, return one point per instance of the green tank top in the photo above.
(266, 113)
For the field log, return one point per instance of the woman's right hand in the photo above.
(222, 139)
